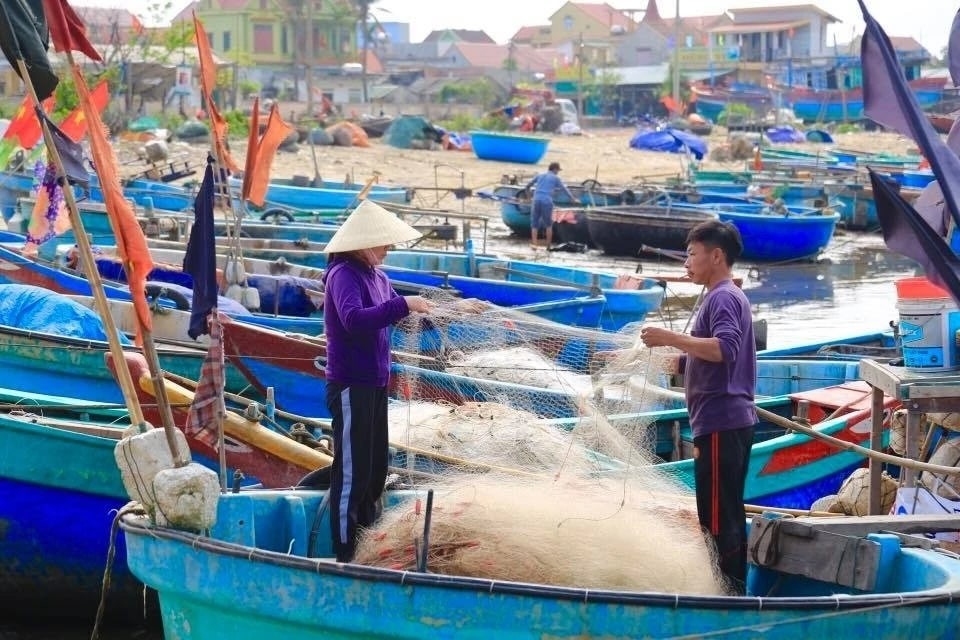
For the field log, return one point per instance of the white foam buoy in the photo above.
(235, 293)
(140, 458)
(250, 298)
(187, 497)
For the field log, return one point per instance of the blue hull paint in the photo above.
(330, 195)
(506, 147)
(252, 579)
(781, 238)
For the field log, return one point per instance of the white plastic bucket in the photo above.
(928, 329)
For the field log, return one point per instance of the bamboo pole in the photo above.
(124, 378)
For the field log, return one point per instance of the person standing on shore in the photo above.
(719, 363)
(359, 307)
(541, 213)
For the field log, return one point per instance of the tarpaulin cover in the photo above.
(784, 134)
(671, 140)
(406, 129)
(34, 309)
(227, 305)
(287, 295)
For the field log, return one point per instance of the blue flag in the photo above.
(905, 232)
(200, 260)
(953, 50)
(888, 100)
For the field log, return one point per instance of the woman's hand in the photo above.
(471, 305)
(418, 304)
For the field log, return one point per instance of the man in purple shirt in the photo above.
(541, 212)
(720, 371)
(359, 307)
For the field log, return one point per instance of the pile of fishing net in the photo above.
(578, 533)
(548, 470)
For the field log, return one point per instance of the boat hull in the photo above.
(624, 231)
(779, 238)
(234, 589)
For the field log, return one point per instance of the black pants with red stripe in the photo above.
(720, 470)
(359, 470)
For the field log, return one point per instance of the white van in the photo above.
(569, 110)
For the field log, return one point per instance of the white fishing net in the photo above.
(544, 456)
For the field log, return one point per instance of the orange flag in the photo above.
(131, 244)
(253, 142)
(75, 124)
(24, 126)
(276, 132)
(208, 80)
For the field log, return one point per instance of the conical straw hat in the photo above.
(370, 225)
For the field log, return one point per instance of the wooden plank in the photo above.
(820, 555)
(861, 526)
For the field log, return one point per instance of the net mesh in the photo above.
(548, 455)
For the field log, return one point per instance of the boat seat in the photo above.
(235, 521)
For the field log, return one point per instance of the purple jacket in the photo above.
(358, 307)
(720, 394)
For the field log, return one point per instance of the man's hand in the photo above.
(658, 337)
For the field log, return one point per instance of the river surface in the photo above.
(848, 291)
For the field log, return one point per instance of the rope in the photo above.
(130, 507)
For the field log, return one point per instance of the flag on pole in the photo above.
(207, 405)
(253, 142)
(953, 50)
(905, 232)
(24, 126)
(50, 217)
(131, 244)
(71, 153)
(67, 31)
(75, 124)
(208, 80)
(276, 132)
(200, 260)
(887, 99)
(24, 36)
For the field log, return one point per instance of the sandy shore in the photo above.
(603, 155)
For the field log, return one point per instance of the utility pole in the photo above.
(676, 57)
(580, 79)
(308, 66)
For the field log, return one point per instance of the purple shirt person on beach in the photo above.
(720, 375)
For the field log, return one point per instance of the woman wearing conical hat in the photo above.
(359, 307)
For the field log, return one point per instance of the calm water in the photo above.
(848, 291)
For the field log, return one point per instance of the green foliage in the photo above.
(847, 127)
(493, 123)
(460, 122)
(66, 93)
(734, 108)
(237, 123)
(477, 92)
(248, 88)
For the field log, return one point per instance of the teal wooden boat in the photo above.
(264, 571)
(328, 194)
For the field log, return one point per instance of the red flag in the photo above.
(131, 245)
(24, 126)
(276, 132)
(67, 30)
(207, 405)
(208, 80)
(253, 143)
(75, 124)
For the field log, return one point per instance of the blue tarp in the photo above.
(286, 294)
(227, 305)
(671, 140)
(784, 133)
(35, 309)
(818, 135)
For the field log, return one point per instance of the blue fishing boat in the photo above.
(513, 282)
(279, 541)
(327, 194)
(835, 105)
(515, 204)
(16, 268)
(769, 235)
(508, 147)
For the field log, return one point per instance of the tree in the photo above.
(363, 17)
